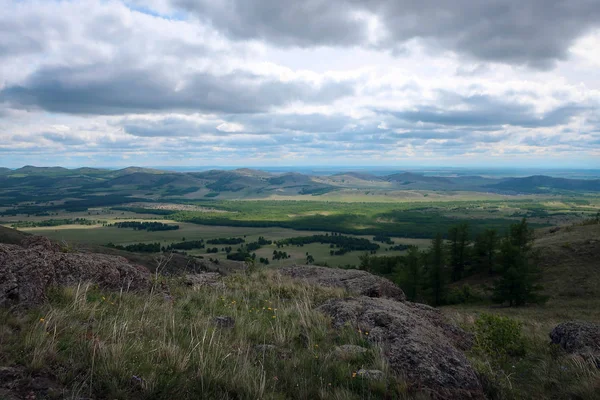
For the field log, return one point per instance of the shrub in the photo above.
(498, 336)
(462, 295)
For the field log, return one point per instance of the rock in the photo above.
(264, 348)
(578, 337)
(354, 280)
(371, 374)
(349, 351)
(27, 271)
(210, 279)
(417, 341)
(224, 321)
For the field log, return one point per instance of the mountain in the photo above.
(410, 177)
(152, 179)
(29, 170)
(133, 170)
(546, 184)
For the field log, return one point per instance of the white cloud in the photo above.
(102, 80)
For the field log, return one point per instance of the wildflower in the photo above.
(354, 374)
(273, 316)
(269, 309)
(275, 378)
(42, 319)
(103, 298)
(316, 345)
(366, 333)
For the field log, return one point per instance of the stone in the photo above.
(371, 374)
(349, 351)
(417, 341)
(353, 280)
(28, 270)
(208, 279)
(224, 321)
(578, 337)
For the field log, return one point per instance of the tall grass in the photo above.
(519, 362)
(167, 345)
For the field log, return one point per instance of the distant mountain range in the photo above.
(52, 183)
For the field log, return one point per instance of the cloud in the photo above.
(526, 32)
(107, 90)
(176, 81)
(485, 110)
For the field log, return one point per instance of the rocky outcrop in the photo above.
(207, 279)
(417, 341)
(353, 280)
(26, 271)
(578, 337)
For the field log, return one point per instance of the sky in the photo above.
(498, 83)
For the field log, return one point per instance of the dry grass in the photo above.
(166, 346)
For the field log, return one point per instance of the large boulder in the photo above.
(578, 337)
(26, 271)
(418, 343)
(353, 280)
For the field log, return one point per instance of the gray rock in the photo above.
(224, 321)
(208, 279)
(265, 348)
(353, 280)
(349, 351)
(27, 271)
(578, 337)
(418, 343)
(371, 374)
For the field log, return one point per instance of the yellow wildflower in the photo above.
(42, 319)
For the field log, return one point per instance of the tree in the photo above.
(436, 270)
(519, 272)
(485, 247)
(458, 236)
(365, 261)
(411, 273)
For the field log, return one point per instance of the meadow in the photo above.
(408, 223)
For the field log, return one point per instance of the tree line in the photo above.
(137, 247)
(341, 242)
(426, 275)
(146, 226)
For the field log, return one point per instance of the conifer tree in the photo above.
(411, 273)
(485, 248)
(519, 272)
(458, 237)
(436, 270)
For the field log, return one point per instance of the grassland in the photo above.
(406, 222)
(145, 346)
(164, 346)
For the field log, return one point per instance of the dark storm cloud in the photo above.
(484, 111)
(105, 90)
(532, 32)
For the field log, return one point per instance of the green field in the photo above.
(406, 222)
(100, 235)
